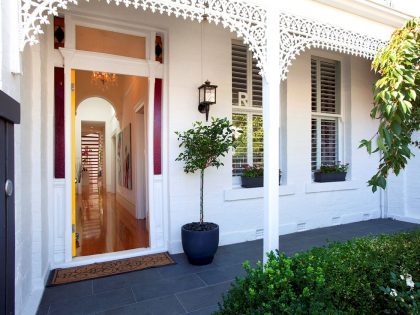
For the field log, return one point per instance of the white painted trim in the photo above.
(32, 302)
(332, 186)
(256, 193)
(93, 61)
(370, 10)
(150, 162)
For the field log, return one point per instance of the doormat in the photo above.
(108, 268)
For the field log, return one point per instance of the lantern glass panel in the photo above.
(210, 95)
(202, 94)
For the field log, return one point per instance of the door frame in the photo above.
(91, 61)
(10, 114)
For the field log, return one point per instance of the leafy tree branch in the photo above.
(396, 102)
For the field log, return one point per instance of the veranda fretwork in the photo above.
(275, 38)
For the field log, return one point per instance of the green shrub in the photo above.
(342, 278)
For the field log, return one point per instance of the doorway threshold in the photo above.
(87, 260)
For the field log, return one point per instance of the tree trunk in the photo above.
(201, 196)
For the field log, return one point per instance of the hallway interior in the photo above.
(105, 226)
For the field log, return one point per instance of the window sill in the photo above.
(240, 193)
(332, 186)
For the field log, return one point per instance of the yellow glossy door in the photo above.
(73, 160)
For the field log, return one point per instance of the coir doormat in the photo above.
(109, 268)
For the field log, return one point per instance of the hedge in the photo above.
(370, 275)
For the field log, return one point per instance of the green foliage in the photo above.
(396, 102)
(403, 294)
(343, 278)
(203, 146)
(252, 170)
(334, 168)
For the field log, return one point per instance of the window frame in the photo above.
(319, 116)
(249, 110)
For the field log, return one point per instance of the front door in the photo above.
(9, 115)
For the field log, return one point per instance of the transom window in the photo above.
(246, 108)
(326, 111)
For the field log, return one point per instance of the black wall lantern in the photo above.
(206, 97)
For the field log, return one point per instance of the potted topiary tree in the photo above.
(203, 146)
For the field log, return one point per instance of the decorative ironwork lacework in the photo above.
(248, 21)
(298, 34)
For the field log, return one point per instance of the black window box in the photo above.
(329, 177)
(252, 182)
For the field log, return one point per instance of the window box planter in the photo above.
(320, 177)
(252, 182)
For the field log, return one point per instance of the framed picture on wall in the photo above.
(124, 159)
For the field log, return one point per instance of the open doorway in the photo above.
(110, 196)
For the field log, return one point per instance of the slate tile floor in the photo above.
(187, 289)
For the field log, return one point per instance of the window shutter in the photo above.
(328, 141)
(314, 85)
(239, 71)
(257, 140)
(314, 151)
(240, 154)
(256, 85)
(328, 93)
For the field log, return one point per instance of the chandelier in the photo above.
(104, 80)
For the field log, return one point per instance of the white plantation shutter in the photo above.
(328, 80)
(256, 85)
(246, 117)
(314, 146)
(257, 140)
(314, 85)
(328, 141)
(325, 111)
(239, 71)
(240, 155)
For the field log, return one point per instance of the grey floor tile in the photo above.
(205, 311)
(167, 305)
(126, 280)
(183, 267)
(62, 292)
(194, 286)
(43, 310)
(94, 303)
(199, 298)
(166, 286)
(222, 274)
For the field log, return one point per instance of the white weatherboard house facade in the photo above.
(294, 45)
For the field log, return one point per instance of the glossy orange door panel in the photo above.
(73, 160)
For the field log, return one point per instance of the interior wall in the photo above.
(136, 91)
(96, 109)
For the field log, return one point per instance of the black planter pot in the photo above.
(200, 245)
(329, 177)
(252, 182)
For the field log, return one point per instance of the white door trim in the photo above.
(90, 61)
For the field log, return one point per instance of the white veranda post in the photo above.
(271, 124)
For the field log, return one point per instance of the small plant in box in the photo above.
(331, 172)
(253, 176)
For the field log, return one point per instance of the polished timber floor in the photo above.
(104, 225)
(187, 289)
